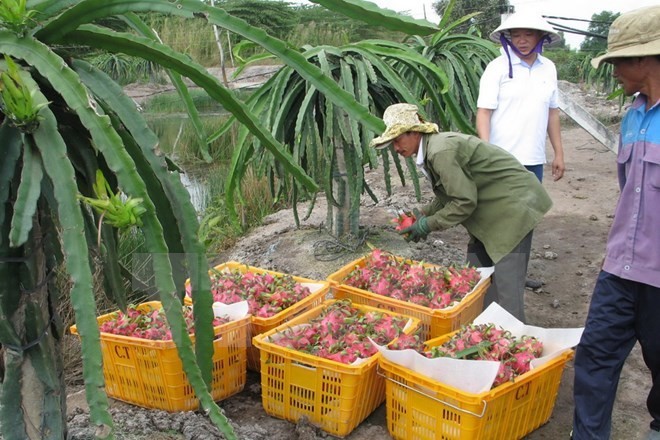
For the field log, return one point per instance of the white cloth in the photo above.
(520, 105)
(420, 159)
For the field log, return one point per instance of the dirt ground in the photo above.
(567, 251)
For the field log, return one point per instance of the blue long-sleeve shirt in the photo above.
(633, 246)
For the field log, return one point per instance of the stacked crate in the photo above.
(149, 373)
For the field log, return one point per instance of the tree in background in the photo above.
(319, 26)
(561, 44)
(570, 63)
(277, 19)
(485, 23)
(599, 25)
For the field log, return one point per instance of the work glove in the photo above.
(419, 230)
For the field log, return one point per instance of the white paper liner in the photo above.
(234, 311)
(477, 376)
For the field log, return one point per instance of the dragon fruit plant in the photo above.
(434, 287)
(266, 294)
(485, 342)
(148, 324)
(341, 333)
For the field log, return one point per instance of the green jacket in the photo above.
(484, 188)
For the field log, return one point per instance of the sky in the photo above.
(582, 9)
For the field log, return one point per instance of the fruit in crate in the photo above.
(408, 342)
(436, 287)
(341, 333)
(485, 342)
(266, 294)
(148, 323)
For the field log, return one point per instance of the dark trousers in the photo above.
(621, 313)
(537, 170)
(508, 281)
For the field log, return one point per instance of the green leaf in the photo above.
(174, 197)
(143, 47)
(89, 10)
(68, 85)
(12, 141)
(49, 8)
(59, 170)
(473, 352)
(27, 195)
(180, 87)
(370, 13)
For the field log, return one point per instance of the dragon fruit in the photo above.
(412, 342)
(266, 294)
(341, 333)
(148, 323)
(485, 342)
(404, 220)
(436, 287)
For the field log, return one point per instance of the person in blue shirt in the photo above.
(625, 305)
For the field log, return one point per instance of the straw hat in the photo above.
(399, 119)
(633, 34)
(521, 20)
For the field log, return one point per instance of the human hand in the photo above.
(418, 231)
(557, 169)
(404, 220)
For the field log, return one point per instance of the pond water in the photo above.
(178, 139)
(198, 189)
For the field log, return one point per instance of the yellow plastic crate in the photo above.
(149, 373)
(333, 396)
(434, 322)
(261, 325)
(421, 408)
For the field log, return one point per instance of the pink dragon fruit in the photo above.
(340, 333)
(404, 342)
(486, 342)
(267, 294)
(505, 374)
(521, 360)
(435, 287)
(147, 323)
(530, 343)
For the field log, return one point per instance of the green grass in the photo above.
(170, 102)
(216, 230)
(179, 141)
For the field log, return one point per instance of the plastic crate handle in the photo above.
(435, 398)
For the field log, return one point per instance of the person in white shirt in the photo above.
(517, 102)
(518, 97)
